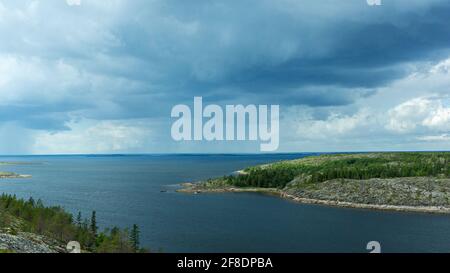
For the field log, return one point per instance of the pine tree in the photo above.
(40, 204)
(134, 238)
(31, 202)
(79, 220)
(94, 227)
(85, 224)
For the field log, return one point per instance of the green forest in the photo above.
(54, 222)
(357, 166)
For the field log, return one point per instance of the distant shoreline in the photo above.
(192, 188)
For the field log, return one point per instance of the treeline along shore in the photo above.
(401, 181)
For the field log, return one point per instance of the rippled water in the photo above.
(131, 189)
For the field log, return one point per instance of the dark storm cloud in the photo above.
(136, 59)
(365, 55)
(267, 51)
(52, 118)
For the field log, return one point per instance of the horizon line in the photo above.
(199, 153)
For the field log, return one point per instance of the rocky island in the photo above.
(13, 175)
(418, 182)
(4, 175)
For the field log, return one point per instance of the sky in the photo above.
(95, 76)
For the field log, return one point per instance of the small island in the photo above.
(13, 175)
(416, 182)
(4, 175)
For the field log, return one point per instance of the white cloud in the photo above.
(404, 113)
(88, 136)
(439, 118)
(34, 79)
(336, 125)
(408, 115)
(442, 67)
(438, 138)
(73, 2)
(418, 113)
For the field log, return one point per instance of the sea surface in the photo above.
(129, 189)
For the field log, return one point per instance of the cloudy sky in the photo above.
(95, 76)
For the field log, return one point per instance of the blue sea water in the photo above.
(140, 189)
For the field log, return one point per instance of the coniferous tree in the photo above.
(31, 201)
(39, 204)
(79, 220)
(94, 227)
(85, 224)
(134, 238)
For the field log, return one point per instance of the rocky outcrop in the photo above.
(29, 243)
(413, 194)
(406, 191)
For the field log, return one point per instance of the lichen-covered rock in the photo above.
(406, 191)
(29, 243)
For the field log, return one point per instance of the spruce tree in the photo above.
(134, 238)
(94, 227)
(79, 220)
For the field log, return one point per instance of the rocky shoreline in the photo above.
(197, 188)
